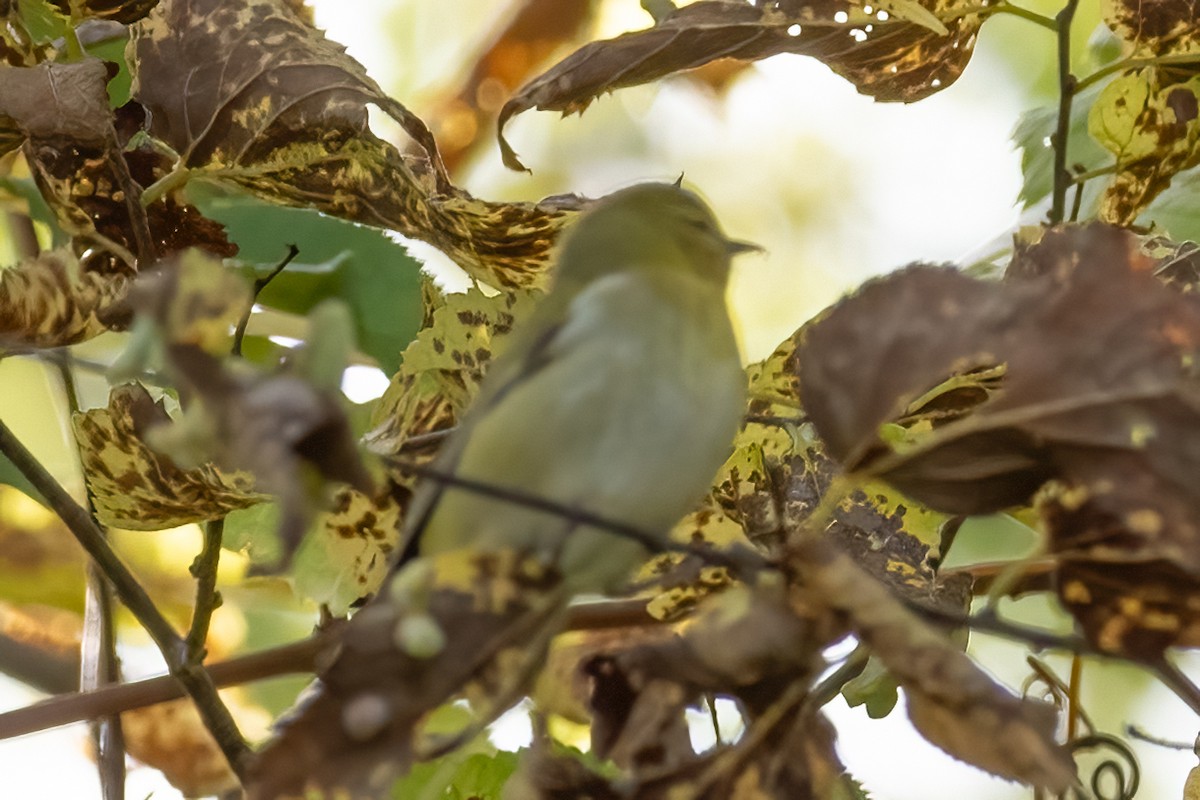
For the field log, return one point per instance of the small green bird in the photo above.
(620, 395)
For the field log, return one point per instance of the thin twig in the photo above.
(239, 333)
(208, 599)
(742, 561)
(98, 664)
(298, 657)
(1025, 14)
(195, 680)
(1066, 93)
(1173, 59)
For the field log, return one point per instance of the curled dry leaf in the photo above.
(135, 487)
(58, 101)
(459, 622)
(1098, 393)
(51, 301)
(902, 51)
(952, 702)
(283, 113)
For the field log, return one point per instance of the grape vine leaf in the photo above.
(900, 52)
(283, 114)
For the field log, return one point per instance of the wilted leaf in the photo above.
(172, 738)
(135, 487)
(902, 51)
(284, 114)
(535, 31)
(58, 101)
(50, 301)
(1098, 392)
(952, 702)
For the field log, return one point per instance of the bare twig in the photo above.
(98, 664)
(742, 561)
(208, 599)
(193, 677)
(239, 333)
(1066, 93)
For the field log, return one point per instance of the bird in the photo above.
(615, 401)
(619, 397)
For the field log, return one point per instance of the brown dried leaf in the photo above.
(1098, 392)
(58, 101)
(284, 114)
(172, 738)
(50, 301)
(126, 12)
(952, 702)
(135, 487)
(902, 51)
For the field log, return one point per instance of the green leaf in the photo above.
(477, 777)
(255, 530)
(43, 21)
(875, 688)
(113, 51)
(11, 476)
(376, 276)
(1032, 136)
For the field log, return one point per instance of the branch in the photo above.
(208, 599)
(1066, 93)
(295, 658)
(742, 561)
(195, 680)
(239, 333)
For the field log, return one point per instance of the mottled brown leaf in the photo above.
(135, 487)
(126, 12)
(951, 701)
(1155, 27)
(1098, 392)
(1149, 121)
(901, 51)
(283, 113)
(50, 301)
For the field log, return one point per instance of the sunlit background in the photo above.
(835, 187)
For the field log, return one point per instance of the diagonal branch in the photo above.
(195, 680)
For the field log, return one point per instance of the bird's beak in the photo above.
(734, 247)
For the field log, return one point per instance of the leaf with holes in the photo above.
(900, 52)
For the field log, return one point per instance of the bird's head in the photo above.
(650, 226)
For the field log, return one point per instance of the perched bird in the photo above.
(620, 397)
